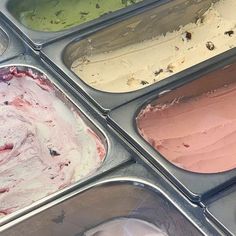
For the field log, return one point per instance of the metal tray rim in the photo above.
(114, 180)
(103, 168)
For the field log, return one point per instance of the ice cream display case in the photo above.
(10, 45)
(44, 21)
(130, 200)
(50, 143)
(185, 129)
(153, 47)
(117, 118)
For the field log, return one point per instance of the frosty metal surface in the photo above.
(145, 23)
(37, 39)
(132, 191)
(116, 152)
(222, 210)
(196, 186)
(13, 45)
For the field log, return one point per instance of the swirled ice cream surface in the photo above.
(44, 145)
(197, 134)
(139, 65)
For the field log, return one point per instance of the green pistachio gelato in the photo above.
(57, 15)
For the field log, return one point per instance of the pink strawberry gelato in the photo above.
(197, 134)
(44, 145)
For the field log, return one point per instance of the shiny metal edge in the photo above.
(197, 187)
(221, 210)
(104, 101)
(214, 219)
(129, 174)
(15, 46)
(117, 153)
(38, 39)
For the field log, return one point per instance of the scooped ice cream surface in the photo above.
(44, 145)
(141, 64)
(198, 133)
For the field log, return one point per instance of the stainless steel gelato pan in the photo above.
(41, 22)
(153, 47)
(50, 143)
(146, 122)
(131, 192)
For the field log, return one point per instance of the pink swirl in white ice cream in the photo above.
(44, 145)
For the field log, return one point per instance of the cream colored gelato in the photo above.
(140, 65)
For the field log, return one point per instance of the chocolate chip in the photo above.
(53, 153)
(210, 46)
(156, 73)
(187, 36)
(230, 32)
(143, 82)
(6, 103)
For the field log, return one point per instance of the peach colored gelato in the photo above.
(197, 134)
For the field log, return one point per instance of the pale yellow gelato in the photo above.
(139, 65)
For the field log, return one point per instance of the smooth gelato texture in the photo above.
(57, 15)
(140, 65)
(44, 145)
(126, 227)
(197, 134)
